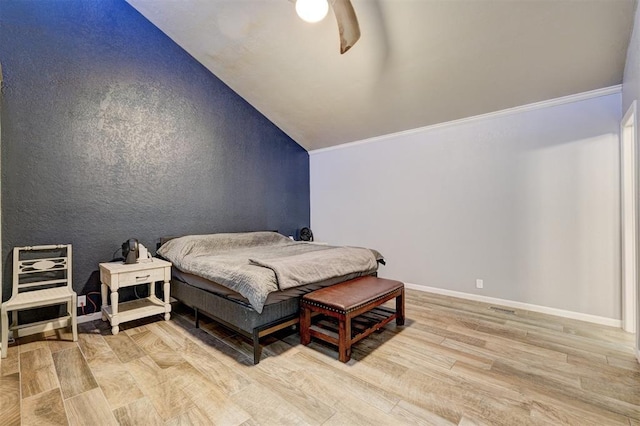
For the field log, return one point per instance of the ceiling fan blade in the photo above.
(347, 24)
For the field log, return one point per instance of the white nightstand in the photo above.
(116, 275)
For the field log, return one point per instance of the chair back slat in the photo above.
(43, 283)
(42, 265)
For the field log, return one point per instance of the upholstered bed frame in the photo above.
(236, 314)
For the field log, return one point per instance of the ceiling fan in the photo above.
(348, 28)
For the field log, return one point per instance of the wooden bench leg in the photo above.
(344, 339)
(400, 308)
(305, 325)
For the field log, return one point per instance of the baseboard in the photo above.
(611, 322)
(89, 317)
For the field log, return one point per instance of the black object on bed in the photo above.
(202, 282)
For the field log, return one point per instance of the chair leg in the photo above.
(4, 319)
(74, 314)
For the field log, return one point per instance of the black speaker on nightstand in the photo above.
(305, 234)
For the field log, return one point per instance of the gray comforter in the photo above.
(255, 264)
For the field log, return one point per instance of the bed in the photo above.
(252, 282)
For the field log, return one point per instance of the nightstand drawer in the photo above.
(140, 277)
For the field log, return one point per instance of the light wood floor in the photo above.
(455, 362)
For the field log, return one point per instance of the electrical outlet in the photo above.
(82, 301)
(479, 283)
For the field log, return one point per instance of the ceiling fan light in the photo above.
(312, 10)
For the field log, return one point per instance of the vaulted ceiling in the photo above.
(418, 62)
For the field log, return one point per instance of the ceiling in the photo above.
(418, 62)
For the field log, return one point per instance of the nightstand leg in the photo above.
(167, 305)
(114, 311)
(103, 290)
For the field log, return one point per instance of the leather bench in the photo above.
(346, 301)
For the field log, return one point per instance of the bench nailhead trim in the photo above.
(340, 311)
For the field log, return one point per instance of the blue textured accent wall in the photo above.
(110, 131)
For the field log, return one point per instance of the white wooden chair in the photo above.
(41, 277)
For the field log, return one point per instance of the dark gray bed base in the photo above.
(238, 316)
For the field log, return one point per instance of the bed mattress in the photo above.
(264, 267)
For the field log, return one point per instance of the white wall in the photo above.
(631, 92)
(631, 81)
(527, 201)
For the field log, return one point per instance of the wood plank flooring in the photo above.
(456, 362)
